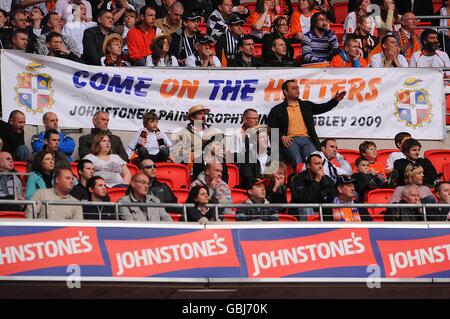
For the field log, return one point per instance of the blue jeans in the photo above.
(22, 153)
(299, 150)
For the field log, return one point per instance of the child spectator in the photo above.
(364, 179)
(149, 142)
(368, 149)
(399, 139)
(411, 148)
(257, 195)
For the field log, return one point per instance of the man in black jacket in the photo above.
(411, 149)
(245, 57)
(184, 39)
(311, 186)
(418, 7)
(227, 44)
(93, 38)
(157, 188)
(410, 195)
(12, 134)
(100, 121)
(294, 120)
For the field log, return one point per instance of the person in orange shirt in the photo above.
(350, 56)
(262, 18)
(301, 19)
(368, 149)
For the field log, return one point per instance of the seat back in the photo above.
(20, 167)
(339, 30)
(233, 175)
(349, 155)
(258, 50)
(286, 218)
(12, 214)
(378, 196)
(74, 168)
(167, 181)
(181, 194)
(238, 196)
(175, 217)
(446, 171)
(340, 11)
(133, 169)
(229, 218)
(438, 157)
(202, 28)
(313, 218)
(383, 154)
(246, 28)
(116, 193)
(177, 173)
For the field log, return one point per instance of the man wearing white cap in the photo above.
(189, 140)
(204, 55)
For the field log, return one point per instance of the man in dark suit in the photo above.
(294, 120)
(93, 38)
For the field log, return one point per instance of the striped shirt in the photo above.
(319, 49)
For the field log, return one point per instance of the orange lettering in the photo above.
(164, 88)
(356, 86)
(373, 95)
(190, 87)
(271, 89)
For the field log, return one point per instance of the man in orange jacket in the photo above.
(350, 56)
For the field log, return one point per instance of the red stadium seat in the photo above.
(438, 157)
(339, 30)
(238, 195)
(12, 214)
(116, 193)
(202, 28)
(21, 167)
(447, 108)
(289, 171)
(167, 181)
(446, 171)
(133, 169)
(297, 50)
(74, 168)
(300, 167)
(181, 194)
(246, 28)
(233, 175)
(378, 196)
(286, 218)
(178, 173)
(175, 217)
(340, 11)
(313, 218)
(258, 50)
(288, 195)
(349, 155)
(229, 218)
(383, 154)
(437, 5)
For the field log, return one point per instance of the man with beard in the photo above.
(430, 56)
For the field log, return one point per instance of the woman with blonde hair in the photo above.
(414, 176)
(276, 183)
(111, 167)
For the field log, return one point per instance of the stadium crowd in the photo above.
(143, 33)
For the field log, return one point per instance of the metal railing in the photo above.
(218, 207)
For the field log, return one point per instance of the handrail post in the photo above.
(116, 210)
(46, 209)
(217, 212)
(185, 213)
(34, 209)
(424, 212)
(321, 212)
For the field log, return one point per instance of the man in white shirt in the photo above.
(390, 57)
(204, 57)
(328, 153)
(250, 119)
(430, 56)
(64, 8)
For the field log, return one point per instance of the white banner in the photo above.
(379, 102)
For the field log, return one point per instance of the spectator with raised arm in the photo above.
(204, 54)
(262, 18)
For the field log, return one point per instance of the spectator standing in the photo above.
(294, 120)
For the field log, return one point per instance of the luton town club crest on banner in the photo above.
(413, 104)
(34, 90)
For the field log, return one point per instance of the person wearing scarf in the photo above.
(350, 56)
(345, 187)
(112, 50)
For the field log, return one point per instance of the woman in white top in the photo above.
(111, 167)
(363, 7)
(160, 47)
